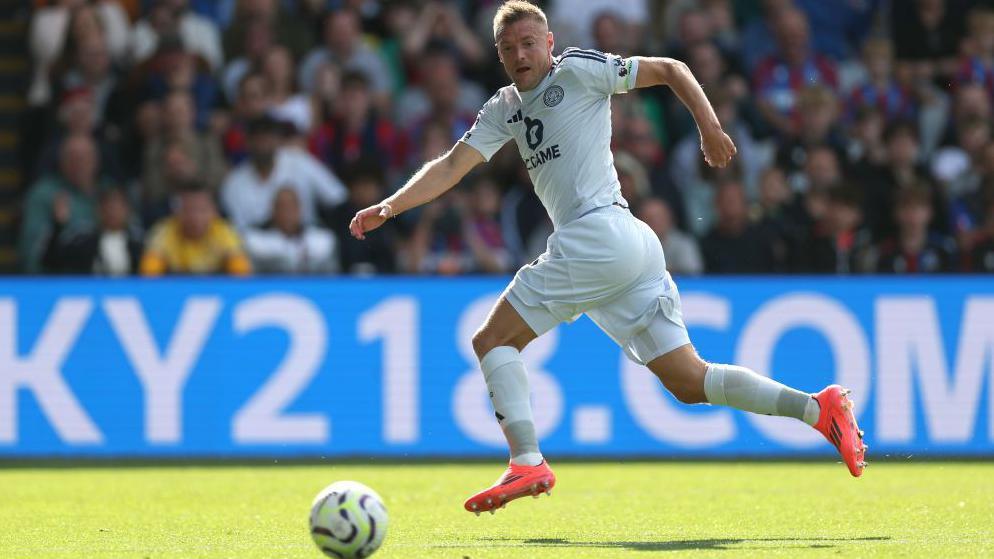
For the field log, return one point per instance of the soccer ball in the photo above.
(348, 520)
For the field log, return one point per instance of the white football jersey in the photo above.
(563, 130)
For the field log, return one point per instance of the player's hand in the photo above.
(369, 219)
(718, 148)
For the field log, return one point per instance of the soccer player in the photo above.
(601, 261)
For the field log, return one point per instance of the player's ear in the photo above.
(550, 41)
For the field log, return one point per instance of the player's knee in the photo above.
(482, 343)
(485, 339)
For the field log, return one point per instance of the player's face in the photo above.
(525, 50)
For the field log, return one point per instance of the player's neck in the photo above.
(523, 89)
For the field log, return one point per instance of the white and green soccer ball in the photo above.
(348, 520)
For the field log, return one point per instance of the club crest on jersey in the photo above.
(553, 96)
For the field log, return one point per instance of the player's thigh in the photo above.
(682, 373)
(503, 327)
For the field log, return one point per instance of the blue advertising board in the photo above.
(345, 367)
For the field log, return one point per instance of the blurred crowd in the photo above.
(241, 136)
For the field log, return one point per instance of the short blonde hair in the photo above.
(516, 10)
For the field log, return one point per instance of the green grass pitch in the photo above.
(599, 510)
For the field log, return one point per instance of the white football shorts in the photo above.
(609, 265)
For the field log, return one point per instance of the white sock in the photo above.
(507, 382)
(744, 389)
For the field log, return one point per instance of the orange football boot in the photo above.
(517, 481)
(837, 423)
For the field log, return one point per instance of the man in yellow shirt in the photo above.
(195, 240)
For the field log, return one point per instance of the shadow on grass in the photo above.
(688, 545)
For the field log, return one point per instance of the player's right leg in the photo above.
(498, 344)
(692, 381)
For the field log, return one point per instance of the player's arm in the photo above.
(718, 148)
(431, 181)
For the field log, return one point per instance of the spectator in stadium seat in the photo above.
(357, 131)
(76, 115)
(903, 169)
(110, 248)
(59, 26)
(90, 68)
(79, 179)
(818, 120)
(734, 245)
(288, 105)
(683, 256)
(700, 195)
(865, 147)
(248, 191)
(927, 34)
(173, 69)
(441, 95)
(287, 246)
(460, 234)
(441, 24)
(344, 45)
(253, 101)
(438, 71)
(258, 41)
(970, 102)
(195, 240)
(836, 243)
(758, 40)
(914, 249)
(782, 216)
(178, 167)
(325, 92)
(822, 169)
(610, 33)
(378, 253)
(779, 78)
(837, 26)
(636, 135)
(573, 19)
(959, 167)
(969, 210)
(981, 246)
(173, 18)
(881, 90)
(285, 28)
(977, 65)
(694, 27)
(178, 132)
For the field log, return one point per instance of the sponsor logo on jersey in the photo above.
(515, 118)
(539, 157)
(553, 96)
(534, 131)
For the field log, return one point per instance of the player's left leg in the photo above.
(498, 344)
(693, 381)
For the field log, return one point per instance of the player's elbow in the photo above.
(660, 71)
(670, 70)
